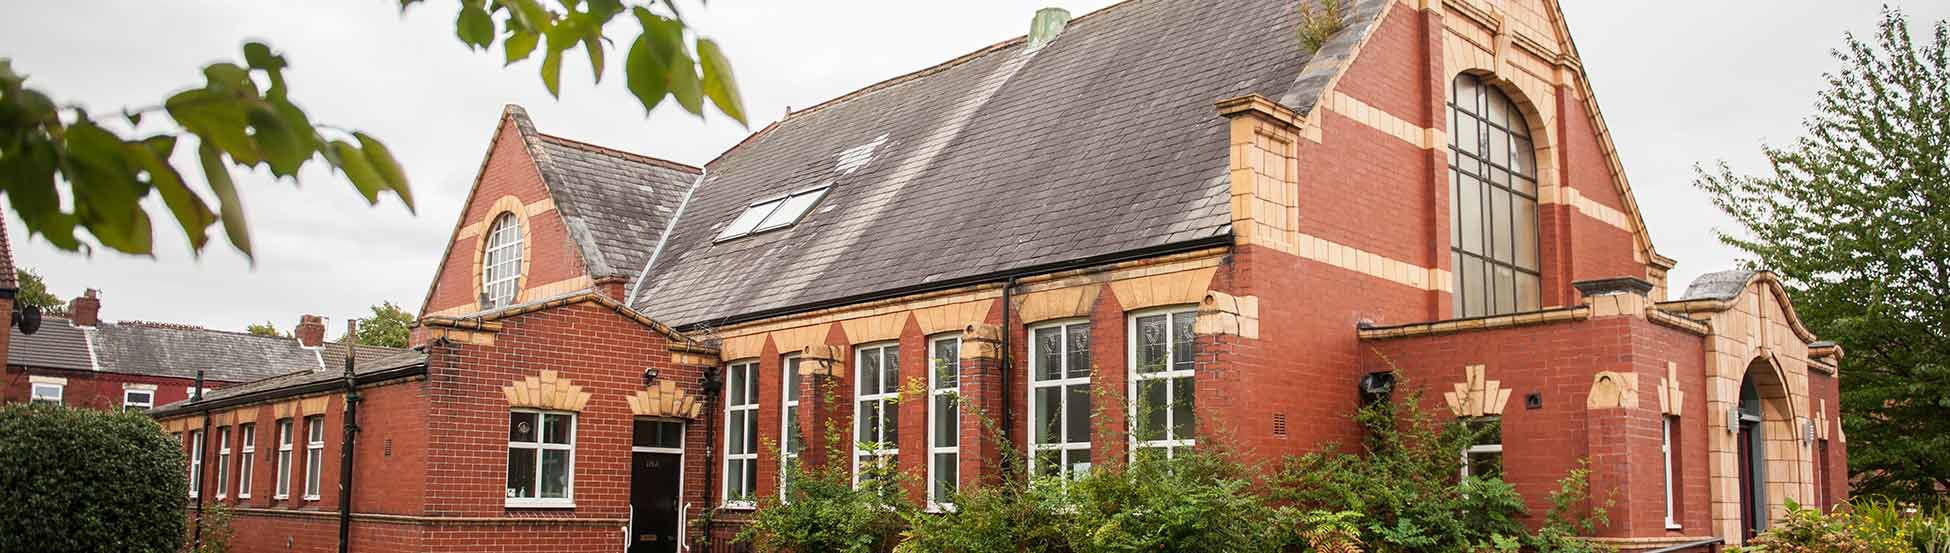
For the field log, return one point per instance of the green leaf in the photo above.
(360, 171)
(474, 26)
(230, 209)
(27, 176)
(643, 74)
(594, 43)
(519, 45)
(386, 166)
(106, 191)
(552, 72)
(684, 84)
(259, 56)
(283, 150)
(152, 156)
(718, 82)
(229, 78)
(214, 118)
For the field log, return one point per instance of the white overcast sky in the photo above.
(1679, 82)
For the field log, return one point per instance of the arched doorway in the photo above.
(1764, 440)
(1751, 441)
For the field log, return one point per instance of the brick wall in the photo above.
(96, 390)
(1558, 362)
(509, 171)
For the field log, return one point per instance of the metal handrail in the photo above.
(1686, 546)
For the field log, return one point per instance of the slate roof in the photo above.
(393, 359)
(614, 203)
(57, 345)
(1722, 285)
(176, 351)
(1105, 141)
(8, 280)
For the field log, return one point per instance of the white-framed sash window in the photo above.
(876, 415)
(1162, 384)
(246, 458)
(1060, 412)
(284, 460)
(741, 435)
(314, 455)
(223, 463)
(944, 420)
(541, 458)
(793, 437)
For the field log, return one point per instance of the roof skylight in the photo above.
(772, 213)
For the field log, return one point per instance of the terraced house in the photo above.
(1159, 226)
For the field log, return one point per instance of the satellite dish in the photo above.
(28, 319)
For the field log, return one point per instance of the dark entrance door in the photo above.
(656, 486)
(1750, 501)
(1753, 460)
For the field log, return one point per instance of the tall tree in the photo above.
(55, 154)
(1855, 218)
(388, 326)
(266, 328)
(33, 293)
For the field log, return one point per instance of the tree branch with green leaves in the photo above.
(1852, 217)
(67, 172)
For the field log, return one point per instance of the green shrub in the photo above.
(1196, 501)
(1405, 487)
(824, 511)
(85, 480)
(1866, 526)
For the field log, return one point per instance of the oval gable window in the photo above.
(501, 262)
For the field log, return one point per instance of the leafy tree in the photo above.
(88, 480)
(33, 293)
(1855, 219)
(54, 154)
(266, 328)
(388, 326)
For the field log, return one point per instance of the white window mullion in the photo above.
(223, 463)
(944, 420)
(247, 435)
(1665, 451)
(284, 461)
(876, 418)
(1160, 345)
(791, 435)
(740, 435)
(1059, 366)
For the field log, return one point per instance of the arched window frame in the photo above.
(503, 250)
(1494, 252)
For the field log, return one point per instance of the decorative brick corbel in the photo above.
(1610, 389)
(822, 360)
(1222, 313)
(665, 400)
(981, 341)
(1476, 396)
(548, 391)
(1671, 398)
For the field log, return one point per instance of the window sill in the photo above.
(550, 504)
(1673, 527)
(739, 506)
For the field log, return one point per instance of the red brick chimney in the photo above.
(310, 331)
(86, 310)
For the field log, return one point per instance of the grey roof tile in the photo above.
(391, 359)
(179, 351)
(57, 345)
(1105, 141)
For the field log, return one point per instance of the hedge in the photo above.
(85, 480)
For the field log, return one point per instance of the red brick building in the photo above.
(78, 359)
(1170, 203)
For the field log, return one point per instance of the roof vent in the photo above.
(1048, 23)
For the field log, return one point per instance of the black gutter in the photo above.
(295, 390)
(350, 423)
(202, 460)
(985, 278)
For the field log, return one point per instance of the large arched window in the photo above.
(501, 262)
(1492, 202)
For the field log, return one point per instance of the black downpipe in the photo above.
(709, 382)
(1008, 414)
(347, 447)
(202, 457)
